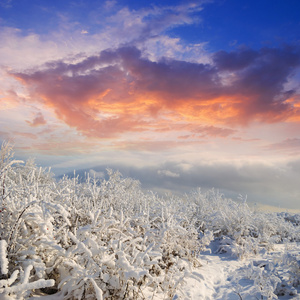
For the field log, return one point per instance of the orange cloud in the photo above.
(121, 91)
(8, 100)
(294, 101)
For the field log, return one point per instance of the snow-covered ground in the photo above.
(89, 239)
(223, 277)
(215, 277)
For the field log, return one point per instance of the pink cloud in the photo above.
(153, 145)
(213, 131)
(26, 135)
(121, 91)
(37, 121)
(291, 145)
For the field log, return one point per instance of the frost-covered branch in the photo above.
(3, 257)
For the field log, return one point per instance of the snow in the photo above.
(41, 283)
(110, 240)
(3, 258)
(213, 278)
(216, 277)
(99, 293)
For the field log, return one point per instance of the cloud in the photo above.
(37, 121)
(19, 50)
(290, 145)
(258, 78)
(79, 99)
(4, 136)
(152, 146)
(6, 3)
(148, 23)
(108, 25)
(119, 90)
(295, 167)
(11, 136)
(168, 173)
(94, 174)
(271, 184)
(237, 60)
(213, 131)
(26, 135)
(59, 147)
(109, 4)
(130, 87)
(8, 100)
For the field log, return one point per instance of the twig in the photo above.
(239, 295)
(9, 241)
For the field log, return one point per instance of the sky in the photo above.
(176, 94)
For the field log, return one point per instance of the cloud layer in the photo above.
(121, 90)
(259, 182)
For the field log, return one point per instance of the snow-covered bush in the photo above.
(293, 218)
(273, 276)
(246, 231)
(90, 239)
(18, 288)
(107, 239)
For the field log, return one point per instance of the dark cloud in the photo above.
(232, 61)
(260, 76)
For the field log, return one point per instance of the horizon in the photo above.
(175, 94)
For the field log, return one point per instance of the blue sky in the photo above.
(177, 94)
(226, 24)
(253, 24)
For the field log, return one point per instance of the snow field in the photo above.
(90, 239)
